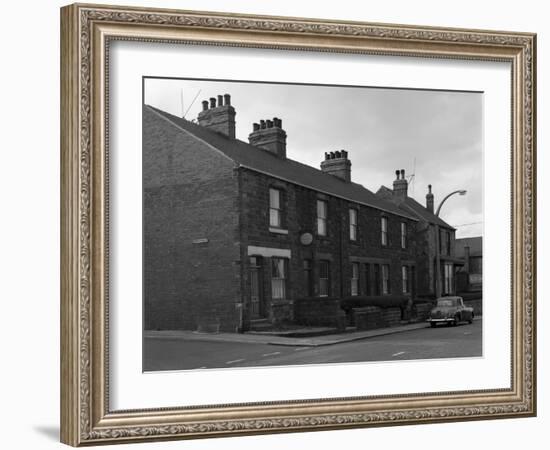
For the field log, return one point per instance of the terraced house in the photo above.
(237, 235)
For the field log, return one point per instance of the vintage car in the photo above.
(450, 310)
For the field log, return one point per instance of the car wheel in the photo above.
(471, 318)
(456, 320)
(433, 324)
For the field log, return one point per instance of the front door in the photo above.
(256, 288)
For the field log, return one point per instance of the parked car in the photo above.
(450, 310)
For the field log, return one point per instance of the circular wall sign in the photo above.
(306, 238)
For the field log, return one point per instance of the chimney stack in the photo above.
(337, 164)
(218, 117)
(400, 185)
(269, 135)
(430, 199)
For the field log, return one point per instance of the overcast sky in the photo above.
(437, 136)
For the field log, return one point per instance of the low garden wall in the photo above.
(324, 311)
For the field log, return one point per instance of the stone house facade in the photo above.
(236, 232)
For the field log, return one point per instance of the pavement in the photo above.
(261, 338)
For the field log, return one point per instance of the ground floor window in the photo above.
(308, 280)
(377, 280)
(324, 278)
(385, 279)
(355, 279)
(278, 278)
(449, 278)
(367, 280)
(255, 286)
(405, 279)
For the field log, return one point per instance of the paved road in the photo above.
(426, 343)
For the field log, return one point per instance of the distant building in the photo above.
(428, 226)
(235, 232)
(471, 250)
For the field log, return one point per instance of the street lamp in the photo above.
(437, 244)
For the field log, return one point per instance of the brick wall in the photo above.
(190, 234)
(299, 216)
(324, 311)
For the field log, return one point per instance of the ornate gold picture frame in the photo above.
(87, 31)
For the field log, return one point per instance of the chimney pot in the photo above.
(402, 174)
(221, 120)
(430, 199)
(270, 136)
(227, 100)
(337, 164)
(397, 174)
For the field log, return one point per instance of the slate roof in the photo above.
(263, 161)
(411, 206)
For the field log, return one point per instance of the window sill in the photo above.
(278, 230)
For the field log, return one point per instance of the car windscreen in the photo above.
(446, 302)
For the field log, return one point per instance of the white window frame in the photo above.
(322, 217)
(384, 230)
(275, 210)
(403, 235)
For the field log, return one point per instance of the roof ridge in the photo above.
(235, 152)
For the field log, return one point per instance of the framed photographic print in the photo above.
(275, 224)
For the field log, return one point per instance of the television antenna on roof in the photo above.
(192, 102)
(412, 176)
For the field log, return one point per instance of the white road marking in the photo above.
(203, 367)
(271, 354)
(234, 361)
(300, 349)
(398, 353)
(467, 333)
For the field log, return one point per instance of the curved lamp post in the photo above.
(437, 244)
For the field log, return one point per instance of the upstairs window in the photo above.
(444, 242)
(403, 235)
(275, 208)
(321, 217)
(384, 230)
(353, 224)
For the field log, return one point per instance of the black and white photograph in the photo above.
(295, 224)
